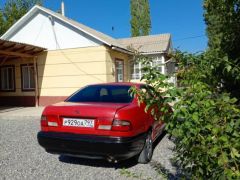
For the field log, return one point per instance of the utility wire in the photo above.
(55, 37)
(66, 57)
(191, 37)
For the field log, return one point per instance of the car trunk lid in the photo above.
(80, 118)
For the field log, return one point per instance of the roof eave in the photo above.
(155, 52)
(122, 50)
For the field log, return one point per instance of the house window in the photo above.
(136, 71)
(7, 74)
(119, 65)
(157, 62)
(136, 68)
(28, 82)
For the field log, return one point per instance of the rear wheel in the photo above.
(147, 152)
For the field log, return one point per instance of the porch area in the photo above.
(18, 74)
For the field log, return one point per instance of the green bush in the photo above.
(206, 120)
(206, 126)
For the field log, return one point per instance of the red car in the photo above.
(100, 121)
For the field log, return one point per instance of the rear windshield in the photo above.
(102, 93)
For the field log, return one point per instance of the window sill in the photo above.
(27, 90)
(7, 90)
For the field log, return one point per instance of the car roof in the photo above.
(121, 84)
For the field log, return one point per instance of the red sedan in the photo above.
(100, 121)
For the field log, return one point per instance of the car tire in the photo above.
(147, 151)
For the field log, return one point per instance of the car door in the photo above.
(157, 124)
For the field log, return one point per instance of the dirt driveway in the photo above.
(22, 158)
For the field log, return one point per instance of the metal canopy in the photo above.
(12, 49)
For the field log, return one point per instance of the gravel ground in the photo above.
(22, 158)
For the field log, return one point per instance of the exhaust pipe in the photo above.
(112, 160)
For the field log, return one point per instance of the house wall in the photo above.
(62, 72)
(111, 56)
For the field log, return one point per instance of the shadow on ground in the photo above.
(160, 169)
(165, 172)
(104, 163)
(4, 109)
(98, 162)
(157, 166)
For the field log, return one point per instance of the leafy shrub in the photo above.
(206, 126)
(206, 120)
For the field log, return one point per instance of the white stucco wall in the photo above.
(46, 31)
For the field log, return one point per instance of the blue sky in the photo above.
(182, 18)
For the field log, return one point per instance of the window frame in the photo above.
(116, 73)
(134, 75)
(14, 78)
(158, 60)
(22, 81)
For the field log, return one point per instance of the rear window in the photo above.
(102, 93)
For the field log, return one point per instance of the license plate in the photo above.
(75, 122)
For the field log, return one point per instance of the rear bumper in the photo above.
(88, 146)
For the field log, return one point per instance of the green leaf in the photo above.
(223, 138)
(228, 67)
(234, 153)
(195, 117)
(223, 159)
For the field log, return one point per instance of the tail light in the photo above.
(49, 121)
(116, 125)
(43, 121)
(121, 125)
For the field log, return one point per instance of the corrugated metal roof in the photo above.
(148, 44)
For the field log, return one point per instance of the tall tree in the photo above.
(223, 26)
(1, 23)
(14, 10)
(141, 20)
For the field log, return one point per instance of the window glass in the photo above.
(25, 77)
(102, 93)
(32, 80)
(4, 79)
(10, 78)
(136, 67)
(136, 71)
(7, 78)
(28, 81)
(119, 71)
